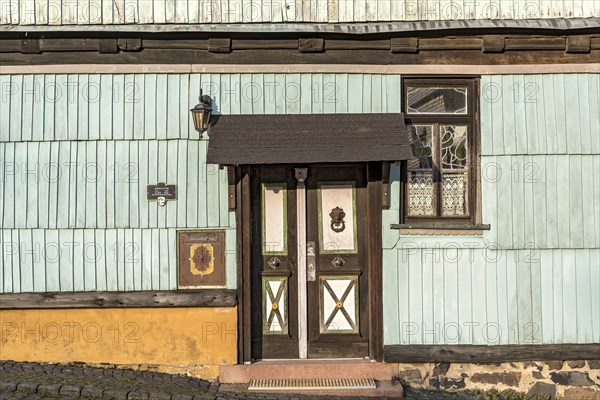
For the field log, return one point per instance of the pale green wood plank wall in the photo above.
(534, 277)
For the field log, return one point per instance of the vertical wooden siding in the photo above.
(535, 276)
(74, 211)
(98, 12)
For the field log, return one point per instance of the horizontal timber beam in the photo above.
(489, 354)
(456, 69)
(142, 299)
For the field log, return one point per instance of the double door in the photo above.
(309, 262)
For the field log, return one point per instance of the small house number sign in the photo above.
(161, 192)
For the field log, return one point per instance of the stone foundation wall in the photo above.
(577, 380)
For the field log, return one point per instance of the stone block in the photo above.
(542, 389)
(576, 364)
(494, 378)
(581, 394)
(571, 378)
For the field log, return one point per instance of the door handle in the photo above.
(311, 269)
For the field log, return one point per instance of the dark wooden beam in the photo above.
(493, 44)
(292, 56)
(489, 354)
(219, 45)
(578, 44)
(313, 45)
(178, 298)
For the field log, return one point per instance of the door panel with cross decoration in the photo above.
(274, 263)
(337, 274)
(333, 262)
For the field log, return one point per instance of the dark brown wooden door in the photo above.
(338, 287)
(274, 266)
(336, 292)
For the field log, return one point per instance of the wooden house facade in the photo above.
(408, 182)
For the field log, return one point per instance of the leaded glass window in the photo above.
(439, 180)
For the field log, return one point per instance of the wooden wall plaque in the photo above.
(201, 259)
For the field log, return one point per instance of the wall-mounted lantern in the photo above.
(201, 114)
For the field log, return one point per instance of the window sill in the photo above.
(440, 229)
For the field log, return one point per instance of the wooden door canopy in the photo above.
(322, 138)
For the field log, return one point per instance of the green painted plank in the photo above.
(230, 258)
(491, 331)
(354, 94)
(163, 256)
(522, 85)
(572, 114)
(547, 297)
(151, 103)
(517, 200)
(171, 248)
(486, 107)
(91, 253)
(426, 261)
(464, 297)
(532, 110)
(182, 203)
(131, 253)
(551, 128)
(122, 252)
(562, 92)
(512, 297)
(539, 200)
(450, 327)
(391, 296)
(33, 179)
(501, 260)
(367, 90)
(413, 299)
(577, 204)
(569, 296)
(173, 108)
(146, 260)
(478, 288)
(44, 177)
(557, 289)
(596, 204)
(553, 230)
(563, 201)
(33, 100)
(584, 114)
(10, 272)
(504, 210)
(51, 252)
(21, 183)
(75, 263)
(128, 105)
(173, 207)
(162, 167)
(585, 286)
(595, 293)
(593, 98)
(67, 256)
(9, 88)
(497, 128)
(510, 91)
(27, 255)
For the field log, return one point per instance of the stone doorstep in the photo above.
(307, 369)
(384, 389)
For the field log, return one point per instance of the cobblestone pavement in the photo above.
(33, 381)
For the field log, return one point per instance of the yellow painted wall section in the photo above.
(192, 340)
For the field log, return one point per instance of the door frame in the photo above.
(240, 185)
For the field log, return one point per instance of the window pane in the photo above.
(453, 140)
(420, 193)
(420, 137)
(436, 100)
(455, 199)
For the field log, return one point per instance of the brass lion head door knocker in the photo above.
(337, 220)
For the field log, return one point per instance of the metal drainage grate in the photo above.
(310, 384)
